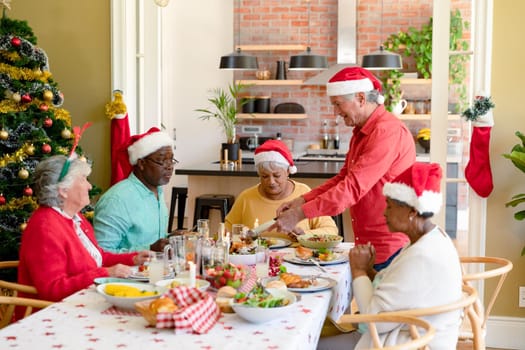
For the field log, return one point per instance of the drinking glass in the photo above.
(262, 259)
(203, 227)
(237, 231)
(175, 252)
(156, 267)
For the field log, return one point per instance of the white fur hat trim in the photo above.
(147, 145)
(428, 202)
(340, 88)
(274, 156)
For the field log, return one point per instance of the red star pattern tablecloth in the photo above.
(85, 321)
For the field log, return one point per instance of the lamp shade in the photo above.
(382, 60)
(308, 61)
(239, 61)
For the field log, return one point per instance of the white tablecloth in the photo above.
(82, 322)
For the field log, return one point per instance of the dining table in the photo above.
(86, 321)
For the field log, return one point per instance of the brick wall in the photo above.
(286, 22)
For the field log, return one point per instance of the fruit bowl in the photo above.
(225, 275)
(316, 241)
(124, 295)
(255, 314)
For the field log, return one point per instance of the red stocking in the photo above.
(120, 135)
(478, 172)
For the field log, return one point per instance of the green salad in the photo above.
(257, 297)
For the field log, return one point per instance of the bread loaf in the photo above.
(163, 304)
(224, 298)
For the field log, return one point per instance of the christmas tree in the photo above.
(33, 126)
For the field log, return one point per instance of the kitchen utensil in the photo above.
(318, 265)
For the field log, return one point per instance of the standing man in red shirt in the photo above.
(380, 149)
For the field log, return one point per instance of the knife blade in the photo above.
(263, 227)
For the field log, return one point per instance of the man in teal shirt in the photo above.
(132, 215)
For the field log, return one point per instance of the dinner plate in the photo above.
(339, 259)
(280, 243)
(320, 284)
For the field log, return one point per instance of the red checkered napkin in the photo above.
(197, 311)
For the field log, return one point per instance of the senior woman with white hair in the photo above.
(274, 164)
(59, 254)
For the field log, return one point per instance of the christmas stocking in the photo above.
(120, 136)
(478, 172)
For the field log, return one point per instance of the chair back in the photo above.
(484, 267)
(28, 303)
(465, 304)
(11, 289)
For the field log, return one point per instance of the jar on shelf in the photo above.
(420, 107)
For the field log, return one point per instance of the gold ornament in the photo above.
(23, 174)
(66, 134)
(30, 150)
(16, 97)
(48, 95)
(23, 226)
(4, 135)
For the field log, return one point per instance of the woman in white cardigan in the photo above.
(426, 273)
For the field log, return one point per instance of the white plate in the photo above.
(280, 243)
(202, 285)
(339, 259)
(137, 275)
(260, 315)
(320, 284)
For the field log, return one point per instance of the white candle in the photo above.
(192, 274)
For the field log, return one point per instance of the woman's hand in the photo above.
(119, 270)
(142, 257)
(362, 259)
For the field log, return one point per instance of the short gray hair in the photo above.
(371, 96)
(270, 166)
(46, 176)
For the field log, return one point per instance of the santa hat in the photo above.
(275, 151)
(418, 186)
(350, 80)
(145, 144)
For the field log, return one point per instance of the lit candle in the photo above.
(256, 223)
(192, 274)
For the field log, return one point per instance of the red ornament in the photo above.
(28, 191)
(16, 41)
(44, 107)
(46, 148)
(26, 98)
(48, 122)
(2, 199)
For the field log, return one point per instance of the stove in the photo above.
(324, 155)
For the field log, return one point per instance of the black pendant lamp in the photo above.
(382, 59)
(307, 60)
(238, 60)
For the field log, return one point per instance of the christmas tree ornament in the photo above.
(48, 95)
(16, 97)
(23, 226)
(66, 134)
(46, 148)
(30, 150)
(2, 199)
(16, 41)
(26, 98)
(43, 107)
(4, 135)
(48, 122)
(478, 172)
(28, 191)
(23, 173)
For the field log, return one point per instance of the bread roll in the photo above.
(226, 292)
(224, 299)
(277, 284)
(163, 304)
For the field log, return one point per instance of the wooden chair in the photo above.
(479, 269)
(465, 304)
(11, 289)
(28, 303)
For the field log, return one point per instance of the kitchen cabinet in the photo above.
(271, 82)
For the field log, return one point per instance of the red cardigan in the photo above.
(53, 259)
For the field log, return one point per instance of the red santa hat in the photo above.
(145, 144)
(350, 80)
(418, 186)
(275, 151)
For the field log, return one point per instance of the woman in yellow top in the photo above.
(274, 164)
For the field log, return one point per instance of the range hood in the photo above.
(346, 42)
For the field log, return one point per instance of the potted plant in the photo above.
(226, 106)
(417, 44)
(517, 156)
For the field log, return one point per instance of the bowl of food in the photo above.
(263, 305)
(124, 295)
(225, 275)
(318, 241)
(200, 284)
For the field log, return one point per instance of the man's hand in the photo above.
(297, 202)
(159, 245)
(287, 220)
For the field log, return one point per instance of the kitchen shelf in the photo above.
(451, 117)
(271, 47)
(415, 81)
(270, 82)
(267, 116)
